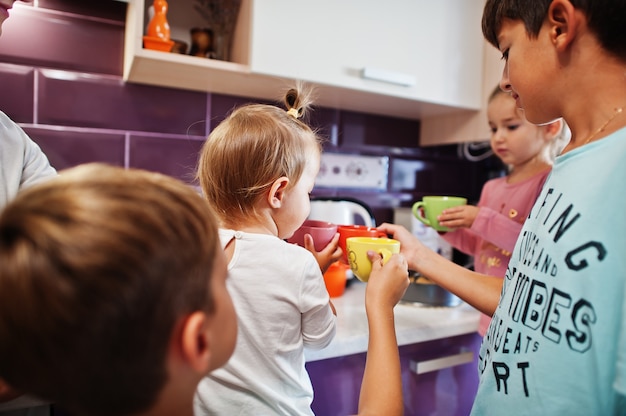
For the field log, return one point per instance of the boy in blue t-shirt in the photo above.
(557, 341)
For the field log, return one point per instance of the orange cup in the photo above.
(347, 231)
(335, 279)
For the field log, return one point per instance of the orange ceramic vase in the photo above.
(158, 36)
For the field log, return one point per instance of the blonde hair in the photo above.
(558, 142)
(98, 266)
(253, 147)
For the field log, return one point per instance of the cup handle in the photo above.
(386, 254)
(418, 214)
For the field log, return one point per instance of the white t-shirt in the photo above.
(282, 305)
(22, 163)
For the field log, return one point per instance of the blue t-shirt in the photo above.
(557, 342)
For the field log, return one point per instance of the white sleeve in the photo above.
(318, 320)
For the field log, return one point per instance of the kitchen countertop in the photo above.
(415, 322)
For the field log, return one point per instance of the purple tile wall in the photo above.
(18, 92)
(175, 157)
(61, 72)
(66, 148)
(100, 101)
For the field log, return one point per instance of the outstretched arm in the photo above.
(381, 389)
(479, 290)
(497, 228)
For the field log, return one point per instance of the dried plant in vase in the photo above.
(221, 18)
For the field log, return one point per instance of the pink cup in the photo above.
(321, 231)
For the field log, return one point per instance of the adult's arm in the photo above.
(22, 162)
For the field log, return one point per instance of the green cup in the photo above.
(432, 207)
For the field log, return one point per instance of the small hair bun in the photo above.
(298, 99)
(293, 112)
(292, 100)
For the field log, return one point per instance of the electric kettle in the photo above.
(341, 211)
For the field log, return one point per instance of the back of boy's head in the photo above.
(255, 145)
(98, 265)
(605, 18)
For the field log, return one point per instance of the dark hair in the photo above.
(605, 18)
(98, 266)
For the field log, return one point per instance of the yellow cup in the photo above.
(357, 253)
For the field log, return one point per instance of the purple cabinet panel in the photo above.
(172, 156)
(47, 38)
(98, 101)
(446, 392)
(449, 391)
(70, 148)
(16, 99)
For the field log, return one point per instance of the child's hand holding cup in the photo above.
(430, 207)
(357, 248)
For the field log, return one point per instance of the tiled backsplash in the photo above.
(60, 70)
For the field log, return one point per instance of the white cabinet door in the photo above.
(466, 126)
(432, 47)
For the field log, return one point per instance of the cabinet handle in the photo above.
(391, 77)
(421, 367)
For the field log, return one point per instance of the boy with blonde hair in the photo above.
(112, 292)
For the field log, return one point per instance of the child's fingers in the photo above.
(375, 257)
(309, 243)
(388, 282)
(457, 209)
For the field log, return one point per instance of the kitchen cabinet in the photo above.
(411, 59)
(466, 126)
(438, 378)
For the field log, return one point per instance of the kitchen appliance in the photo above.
(424, 291)
(341, 211)
(428, 236)
(421, 289)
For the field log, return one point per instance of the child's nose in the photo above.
(499, 134)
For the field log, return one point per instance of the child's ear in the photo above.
(277, 192)
(196, 348)
(553, 129)
(563, 21)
